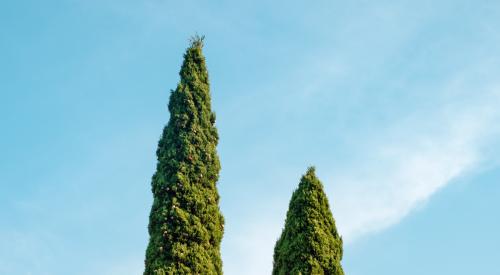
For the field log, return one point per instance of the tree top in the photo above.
(197, 41)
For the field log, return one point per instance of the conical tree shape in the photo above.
(185, 224)
(309, 243)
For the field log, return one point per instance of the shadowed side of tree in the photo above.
(185, 223)
(309, 243)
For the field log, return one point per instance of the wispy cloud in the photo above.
(411, 163)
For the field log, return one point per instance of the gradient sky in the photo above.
(396, 103)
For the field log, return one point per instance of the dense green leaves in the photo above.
(309, 243)
(185, 224)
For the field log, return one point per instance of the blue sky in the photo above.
(395, 102)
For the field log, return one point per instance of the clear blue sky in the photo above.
(397, 103)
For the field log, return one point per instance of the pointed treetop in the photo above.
(193, 71)
(310, 179)
(311, 170)
(196, 41)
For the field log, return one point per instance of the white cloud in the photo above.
(414, 160)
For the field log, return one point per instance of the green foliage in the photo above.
(185, 223)
(309, 243)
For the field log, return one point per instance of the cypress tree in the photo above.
(309, 243)
(185, 223)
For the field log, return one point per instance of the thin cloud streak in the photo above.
(412, 165)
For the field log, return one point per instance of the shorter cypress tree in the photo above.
(309, 243)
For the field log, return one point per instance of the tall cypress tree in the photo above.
(309, 243)
(185, 223)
